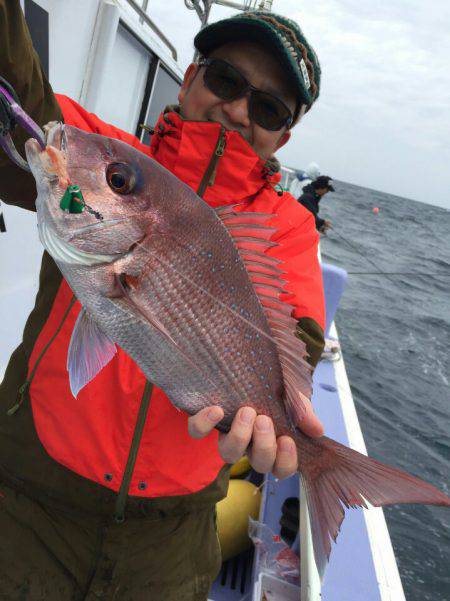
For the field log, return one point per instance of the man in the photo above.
(107, 495)
(312, 194)
(302, 178)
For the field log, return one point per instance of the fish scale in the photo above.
(204, 340)
(205, 302)
(171, 245)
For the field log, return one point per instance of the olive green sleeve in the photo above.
(20, 66)
(312, 335)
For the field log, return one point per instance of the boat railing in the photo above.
(310, 585)
(146, 19)
(247, 4)
(275, 493)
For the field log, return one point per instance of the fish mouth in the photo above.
(50, 161)
(55, 135)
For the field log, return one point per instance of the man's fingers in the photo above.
(264, 445)
(286, 463)
(266, 454)
(234, 444)
(201, 424)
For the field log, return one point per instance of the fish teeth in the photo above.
(65, 253)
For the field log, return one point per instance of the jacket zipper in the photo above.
(119, 512)
(210, 173)
(23, 389)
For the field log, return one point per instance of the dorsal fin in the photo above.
(258, 257)
(265, 278)
(253, 243)
(262, 268)
(252, 238)
(246, 218)
(268, 290)
(226, 209)
(269, 302)
(262, 232)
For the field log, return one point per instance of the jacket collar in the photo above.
(218, 164)
(309, 188)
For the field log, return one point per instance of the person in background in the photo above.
(312, 195)
(303, 178)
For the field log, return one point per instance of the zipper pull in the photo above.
(210, 173)
(20, 398)
(221, 145)
(220, 149)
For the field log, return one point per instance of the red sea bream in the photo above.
(192, 296)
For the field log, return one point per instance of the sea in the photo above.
(394, 329)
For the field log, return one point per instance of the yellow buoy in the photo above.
(240, 467)
(243, 500)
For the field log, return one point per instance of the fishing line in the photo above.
(355, 248)
(396, 273)
(379, 272)
(397, 428)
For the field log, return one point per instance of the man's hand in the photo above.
(326, 226)
(266, 453)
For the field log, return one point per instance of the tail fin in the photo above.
(344, 477)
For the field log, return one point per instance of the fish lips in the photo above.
(56, 136)
(48, 165)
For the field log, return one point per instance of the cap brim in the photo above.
(239, 29)
(330, 188)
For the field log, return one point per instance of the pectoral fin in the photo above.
(89, 351)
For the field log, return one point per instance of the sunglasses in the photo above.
(227, 83)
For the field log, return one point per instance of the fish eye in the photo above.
(121, 178)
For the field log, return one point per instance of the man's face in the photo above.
(262, 71)
(321, 191)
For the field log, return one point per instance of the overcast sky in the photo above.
(383, 117)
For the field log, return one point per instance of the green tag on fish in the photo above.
(72, 200)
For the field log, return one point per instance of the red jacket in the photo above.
(91, 435)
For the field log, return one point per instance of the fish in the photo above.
(192, 295)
